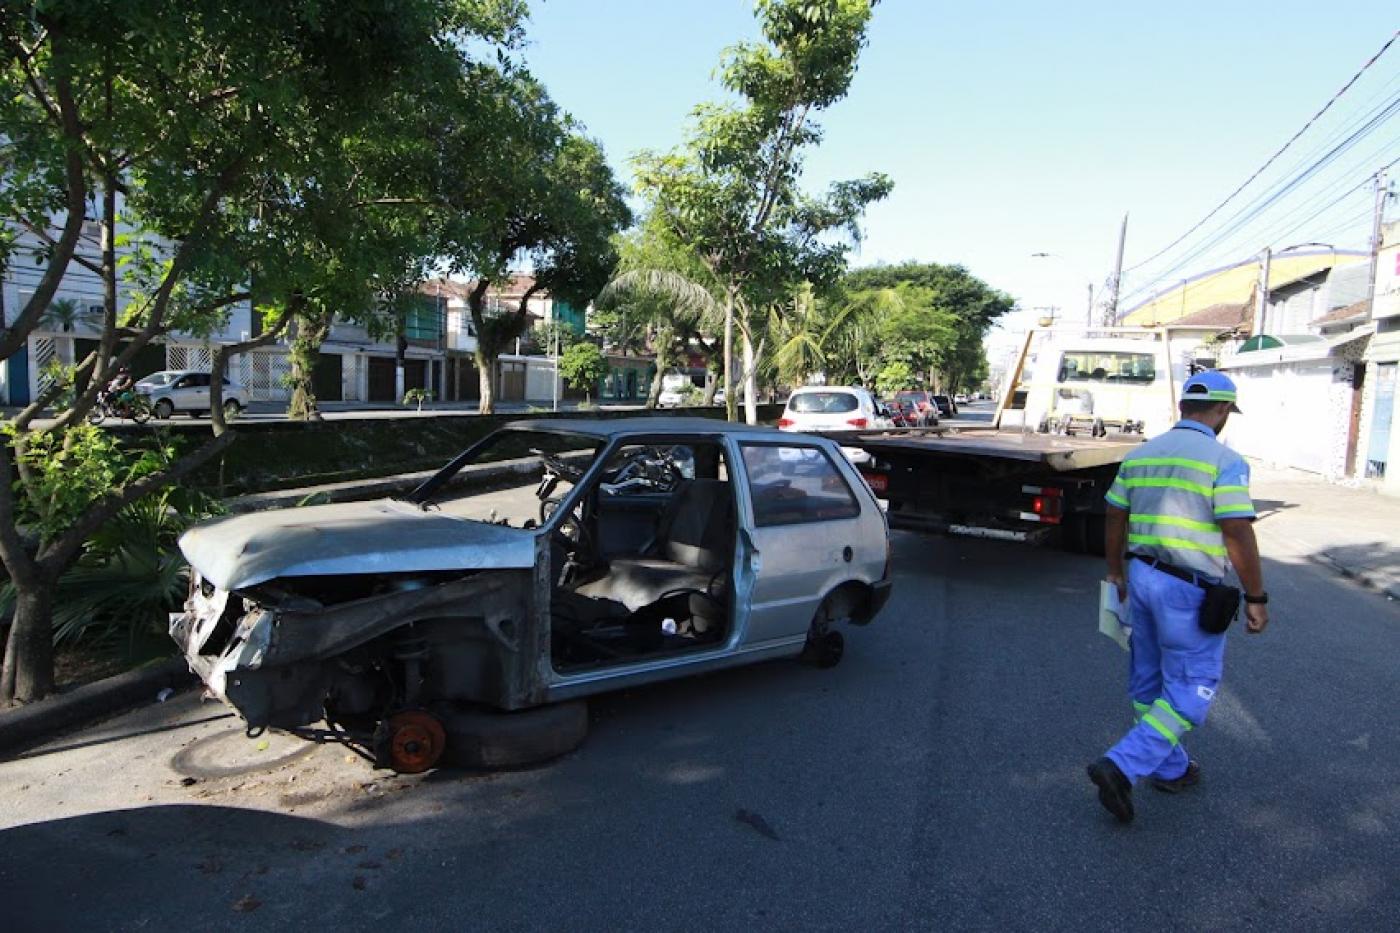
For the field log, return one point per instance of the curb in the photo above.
(1384, 583)
(36, 722)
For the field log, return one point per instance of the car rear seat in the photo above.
(694, 543)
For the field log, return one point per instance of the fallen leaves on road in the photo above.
(247, 904)
(759, 824)
(358, 884)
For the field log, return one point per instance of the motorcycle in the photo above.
(109, 405)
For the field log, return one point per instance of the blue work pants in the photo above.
(1174, 670)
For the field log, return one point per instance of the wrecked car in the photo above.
(554, 559)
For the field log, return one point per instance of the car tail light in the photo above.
(786, 422)
(858, 422)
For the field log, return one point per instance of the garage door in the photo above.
(326, 377)
(381, 379)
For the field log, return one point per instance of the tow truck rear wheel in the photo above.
(410, 742)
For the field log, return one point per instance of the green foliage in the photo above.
(583, 366)
(931, 317)
(131, 575)
(417, 397)
(732, 193)
(893, 377)
(64, 314)
(66, 473)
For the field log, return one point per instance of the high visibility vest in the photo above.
(1176, 488)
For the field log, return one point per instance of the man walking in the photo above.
(1178, 508)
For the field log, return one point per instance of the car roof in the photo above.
(607, 428)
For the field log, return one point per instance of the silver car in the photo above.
(553, 560)
(187, 390)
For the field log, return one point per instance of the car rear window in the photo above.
(792, 484)
(826, 403)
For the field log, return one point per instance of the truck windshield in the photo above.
(1107, 366)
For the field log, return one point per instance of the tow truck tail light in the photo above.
(1047, 504)
(858, 422)
(786, 422)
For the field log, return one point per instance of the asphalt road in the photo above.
(934, 780)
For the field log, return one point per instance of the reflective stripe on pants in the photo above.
(1174, 670)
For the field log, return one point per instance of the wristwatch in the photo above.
(1260, 600)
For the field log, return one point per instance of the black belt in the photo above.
(1172, 571)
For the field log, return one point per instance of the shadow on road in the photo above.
(121, 736)
(162, 867)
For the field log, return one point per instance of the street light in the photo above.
(1089, 310)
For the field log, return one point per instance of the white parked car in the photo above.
(674, 389)
(835, 408)
(187, 390)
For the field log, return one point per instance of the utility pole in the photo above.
(1261, 303)
(1089, 311)
(1117, 283)
(1381, 186)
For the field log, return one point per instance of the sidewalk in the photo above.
(1355, 532)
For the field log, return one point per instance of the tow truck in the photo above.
(1072, 408)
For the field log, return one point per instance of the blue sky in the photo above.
(1017, 127)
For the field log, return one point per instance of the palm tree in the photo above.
(659, 308)
(63, 315)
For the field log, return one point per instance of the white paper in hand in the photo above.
(1113, 615)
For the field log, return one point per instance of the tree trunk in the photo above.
(750, 380)
(486, 366)
(731, 403)
(27, 673)
(305, 350)
(711, 387)
(663, 359)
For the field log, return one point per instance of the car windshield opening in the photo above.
(826, 403)
(513, 478)
(159, 379)
(1107, 366)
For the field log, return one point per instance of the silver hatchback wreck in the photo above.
(552, 560)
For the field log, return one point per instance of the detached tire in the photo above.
(480, 739)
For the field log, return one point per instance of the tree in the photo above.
(894, 376)
(583, 366)
(661, 299)
(929, 316)
(732, 193)
(547, 198)
(204, 129)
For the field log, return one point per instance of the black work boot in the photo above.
(1115, 791)
(1190, 778)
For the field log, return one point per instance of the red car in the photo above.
(918, 407)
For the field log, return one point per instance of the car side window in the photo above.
(790, 484)
(184, 382)
(201, 381)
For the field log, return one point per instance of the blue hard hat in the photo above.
(1210, 386)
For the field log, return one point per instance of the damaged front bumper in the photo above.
(225, 640)
(282, 665)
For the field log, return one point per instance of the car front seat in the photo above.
(694, 542)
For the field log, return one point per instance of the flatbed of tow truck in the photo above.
(1053, 451)
(993, 483)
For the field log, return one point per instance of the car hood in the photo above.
(384, 536)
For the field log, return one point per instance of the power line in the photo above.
(1242, 217)
(1294, 138)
